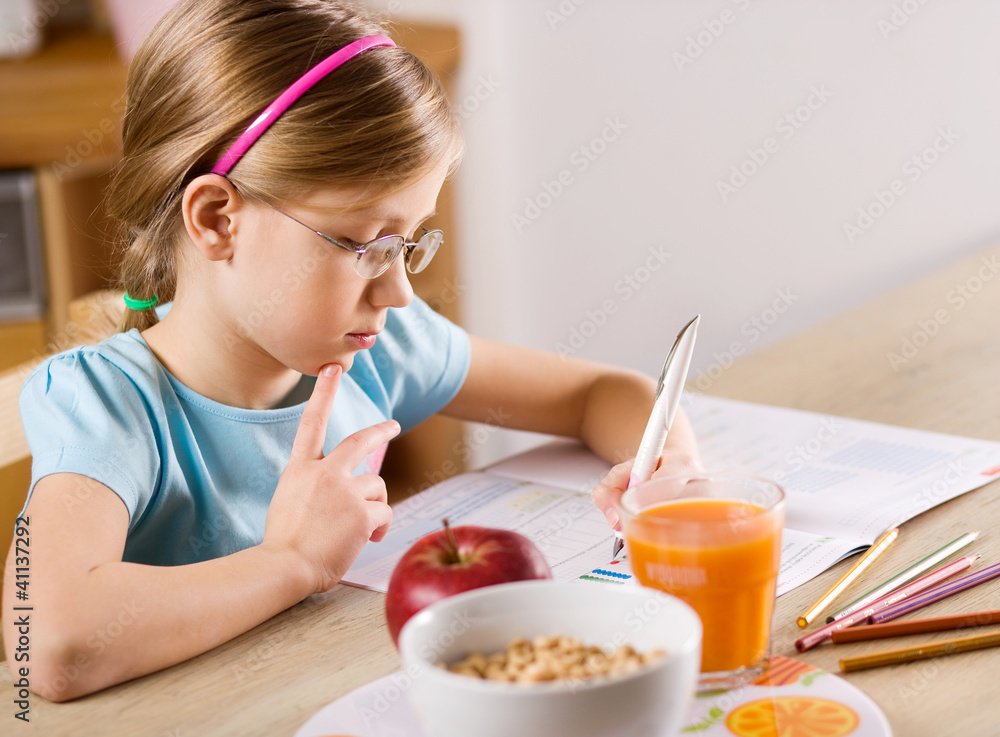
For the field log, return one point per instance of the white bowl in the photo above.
(651, 702)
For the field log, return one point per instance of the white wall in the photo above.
(887, 81)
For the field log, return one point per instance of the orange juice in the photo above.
(721, 557)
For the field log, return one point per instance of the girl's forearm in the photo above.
(617, 409)
(125, 620)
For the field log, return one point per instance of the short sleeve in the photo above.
(83, 415)
(417, 365)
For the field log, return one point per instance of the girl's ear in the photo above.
(211, 207)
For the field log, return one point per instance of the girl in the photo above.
(204, 471)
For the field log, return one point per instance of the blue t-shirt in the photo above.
(197, 476)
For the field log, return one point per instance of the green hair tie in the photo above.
(140, 304)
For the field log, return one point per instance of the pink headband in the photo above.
(287, 98)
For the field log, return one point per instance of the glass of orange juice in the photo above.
(714, 541)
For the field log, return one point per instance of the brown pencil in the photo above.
(920, 652)
(916, 626)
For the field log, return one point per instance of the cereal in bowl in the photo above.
(552, 658)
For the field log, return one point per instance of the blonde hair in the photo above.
(206, 71)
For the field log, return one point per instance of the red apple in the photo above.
(457, 559)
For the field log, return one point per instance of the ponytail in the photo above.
(147, 274)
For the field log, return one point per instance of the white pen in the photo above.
(665, 404)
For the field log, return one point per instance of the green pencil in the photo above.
(910, 573)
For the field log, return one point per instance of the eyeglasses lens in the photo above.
(422, 253)
(378, 256)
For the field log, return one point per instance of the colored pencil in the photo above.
(917, 626)
(936, 594)
(848, 578)
(921, 584)
(920, 652)
(906, 575)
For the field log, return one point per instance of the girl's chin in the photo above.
(344, 360)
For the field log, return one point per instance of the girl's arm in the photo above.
(604, 406)
(97, 620)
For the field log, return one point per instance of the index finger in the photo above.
(311, 435)
(355, 448)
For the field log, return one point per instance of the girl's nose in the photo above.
(392, 289)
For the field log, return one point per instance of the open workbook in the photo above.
(846, 481)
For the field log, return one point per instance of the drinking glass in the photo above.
(714, 541)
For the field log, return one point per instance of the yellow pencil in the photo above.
(920, 652)
(848, 578)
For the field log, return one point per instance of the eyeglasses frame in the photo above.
(406, 247)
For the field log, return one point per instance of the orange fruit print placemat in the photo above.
(793, 699)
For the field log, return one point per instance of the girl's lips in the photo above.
(363, 340)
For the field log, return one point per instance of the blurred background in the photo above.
(766, 164)
(633, 163)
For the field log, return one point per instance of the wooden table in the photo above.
(271, 680)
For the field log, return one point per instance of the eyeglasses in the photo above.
(375, 257)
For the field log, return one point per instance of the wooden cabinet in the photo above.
(60, 117)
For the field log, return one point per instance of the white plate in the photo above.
(382, 708)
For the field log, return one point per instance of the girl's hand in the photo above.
(320, 510)
(607, 493)
(675, 462)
